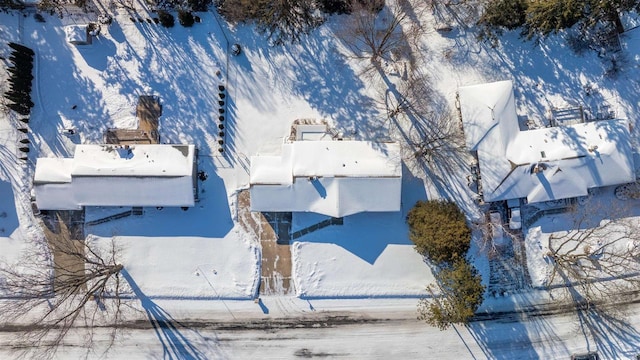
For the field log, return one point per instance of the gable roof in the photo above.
(113, 175)
(334, 178)
(571, 159)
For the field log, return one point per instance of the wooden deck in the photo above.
(148, 112)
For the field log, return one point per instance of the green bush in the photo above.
(439, 231)
(185, 18)
(499, 15)
(460, 294)
(509, 14)
(166, 19)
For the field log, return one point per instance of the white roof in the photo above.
(76, 33)
(53, 170)
(352, 177)
(485, 106)
(134, 160)
(267, 170)
(575, 158)
(109, 175)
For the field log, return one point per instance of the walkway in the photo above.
(276, 255)
(508, 269)
(315, 227)
(64, 231)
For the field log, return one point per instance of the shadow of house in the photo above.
(8, 215)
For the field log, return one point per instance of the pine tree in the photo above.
(281, 20)
(501, 14)
(456, 296)
(546, 16)
(439, 231)
(549, 16)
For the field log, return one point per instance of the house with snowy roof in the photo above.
(540, 164)
(77, 34)
(333, 178)
(117, 175)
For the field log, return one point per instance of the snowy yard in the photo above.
(369, 256)
(195, 268)
(202, 252)
(591, 213)
(97, 88)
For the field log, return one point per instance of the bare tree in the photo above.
(595, 261)
(61, 285)
(385, 35)
(461, 12)
(432, 137)
(494, 235)
(436, 140)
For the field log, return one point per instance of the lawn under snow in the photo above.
(95, 87)
(370, 255)
(189, 267)
(268, 88)
(202, 253)
(593, 213)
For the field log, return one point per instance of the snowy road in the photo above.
(364, 335)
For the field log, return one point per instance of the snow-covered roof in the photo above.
(114, 175)
(53, 170)
(542, 164)
(335, 178)
(133, 160)
(76, 34)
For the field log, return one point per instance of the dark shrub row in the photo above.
(20, 79)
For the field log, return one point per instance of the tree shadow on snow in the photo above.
(504, 334)
(613, 337)
(178, 341)
(63, 95)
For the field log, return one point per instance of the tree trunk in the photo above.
(615, 18)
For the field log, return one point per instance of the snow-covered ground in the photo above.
(95, 87)
(202, 252)
(199, 268)
(369, 255)
(592, 213)
(355, 329)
